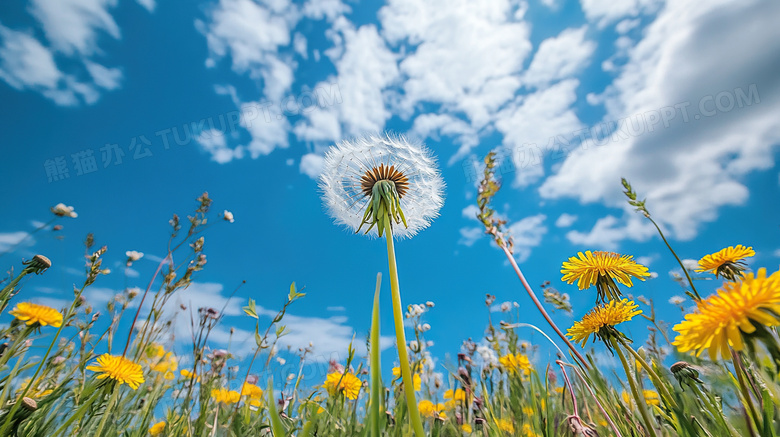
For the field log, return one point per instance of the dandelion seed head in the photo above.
(352, 165)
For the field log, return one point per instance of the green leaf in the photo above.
(251, 310)
(276, 422)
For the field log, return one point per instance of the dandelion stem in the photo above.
(640, 401)
(540, 307)
(654, 376)
(398, 316)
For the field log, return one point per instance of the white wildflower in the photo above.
(62, 210)
(228, 216)
(676, 300)
(353, 167)
(488, 355)
(506, 306)
(133, 256)
(414, 345)
(430, 304)
(424, 327)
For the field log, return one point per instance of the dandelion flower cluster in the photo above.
(352, 168)
(253, 393)
(157, 429)
(225, 396)
(416, 378)
(429, 409)
(726, 262)
(516, 363)
(347, 383)
(600, 321)
(33, 314)
(720, 320)
(602, 269)
(120, 369)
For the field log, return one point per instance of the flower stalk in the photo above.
(640, 401)
(400, 336)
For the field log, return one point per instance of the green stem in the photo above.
(79, 413)
(753, 417)
(640, 401)
(400, 337)
(107, 413)
(657, 381)
(66, 319)
(541, 308)
(375, 409)
(690, 281)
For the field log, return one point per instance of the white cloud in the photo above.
(431, 125)
(560, 57)
(604, 12)
(565, 220)
(527, 234)
(776, 253)
(365, 67)
(462, 54)
(9, 240)
(329, 9)
(73, 26)
(104, 77)
(336, 308)
(150, 5)
(26, 64)
(530, 122)
(688, 170)
(214, 142)
(250, 33)
(470, 235)
(470, 212)
(311, 165)
(609, 231)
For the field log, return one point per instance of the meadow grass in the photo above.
(66, 372)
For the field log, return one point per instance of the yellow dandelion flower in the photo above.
(528, 431)
(416, 379)
(225, 396)
(651, 397)
(187, 374)
(119, 369)
(155, 350)
(33, 313)
(165, 363)
(429, 409)
(157, 429)
(517, 363)
(738, 308)
(600, 321)
(528, 411)
(466, 428)
(455, 395)
(626, 397)
(603, 269)
(253, 393)
(505, 425)
(347, 383)
(726, 262)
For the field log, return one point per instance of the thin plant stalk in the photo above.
(398, 316)
(687, 275)
(654, 376)
(107, 413)
(541, 308)
(10, 415)
(752, 417)
(375, 408)
(595, 398)
(640, 401)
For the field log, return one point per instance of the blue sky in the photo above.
(242, 99)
